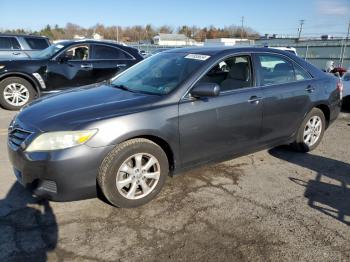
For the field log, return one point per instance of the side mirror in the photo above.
(63, 58)
(205, 90)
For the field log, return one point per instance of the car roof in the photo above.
(216, 50)
(90, 41)
(22, 35)
(77, 41)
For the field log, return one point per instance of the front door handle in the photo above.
(121, 65)
(16, 53)
(254, 100)
(310, 89)
(86, 66)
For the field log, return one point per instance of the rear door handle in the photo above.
(16, 53)
(86, 66)
(121, 65)
(254, 99)
(310, 89)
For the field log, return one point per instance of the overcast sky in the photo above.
(265, 16)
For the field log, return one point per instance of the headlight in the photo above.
(2, 66)
(60, 140)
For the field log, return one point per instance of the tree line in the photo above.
(139, 33)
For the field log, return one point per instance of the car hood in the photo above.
(80, 106)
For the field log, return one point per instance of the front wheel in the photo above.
(133, 173)
(311, 131)
(15, 92)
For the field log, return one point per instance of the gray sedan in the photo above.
(173, 111)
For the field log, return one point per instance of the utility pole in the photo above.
(300, 29)
(242, 28)
(344, 47)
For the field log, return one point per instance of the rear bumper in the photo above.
(62, 175)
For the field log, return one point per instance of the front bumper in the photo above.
(61, 175)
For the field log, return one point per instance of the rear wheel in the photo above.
(311, 131)
(15, 92)
(133, 173)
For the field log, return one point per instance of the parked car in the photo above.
(143, 53)
(61, 66)
(173, 111)
(21, 46)
(333, 69)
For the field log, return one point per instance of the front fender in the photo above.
(160, 123)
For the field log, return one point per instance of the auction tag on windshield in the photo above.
(197, 57)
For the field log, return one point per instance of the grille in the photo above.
(17, 137)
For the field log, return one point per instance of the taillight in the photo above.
(340, 88)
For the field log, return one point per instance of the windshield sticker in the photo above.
(197, 57)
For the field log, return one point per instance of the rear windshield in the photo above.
(37, 43)
(160, 74)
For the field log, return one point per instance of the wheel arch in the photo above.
(326, 111)
(27, 77)
(164, 145)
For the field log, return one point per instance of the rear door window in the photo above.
(36, 43)
(9, 43)
(107, 52)
(274, 69)
(300, 73)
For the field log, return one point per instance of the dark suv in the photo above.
(61, 66)
(19, 46)
(173, 111)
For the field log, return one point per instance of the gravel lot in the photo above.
(272, 205)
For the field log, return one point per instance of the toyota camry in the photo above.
(173, 111)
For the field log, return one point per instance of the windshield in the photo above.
(48, 52)
(159, 74)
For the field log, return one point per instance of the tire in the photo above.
(124, 157)
(20, 84)
(300, 143)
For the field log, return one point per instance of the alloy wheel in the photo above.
(312, 130)
(16, 94)
(138, 176)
